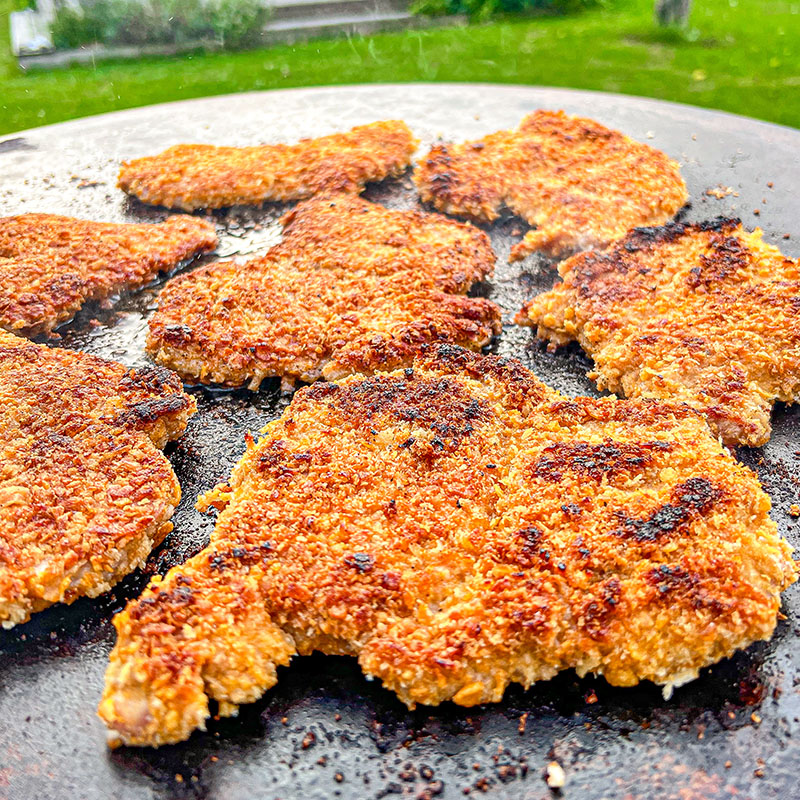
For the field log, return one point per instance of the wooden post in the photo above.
(673, 12)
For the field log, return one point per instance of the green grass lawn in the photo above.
(740, 55)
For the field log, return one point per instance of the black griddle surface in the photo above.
(734, 732)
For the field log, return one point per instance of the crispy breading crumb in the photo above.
(192, 176)
(579, 183)
(86, 493)
(309, 740)
(353, 287)
(554, 775)
(51, 265)
(703, 313)
(719, 192)
(338, 540)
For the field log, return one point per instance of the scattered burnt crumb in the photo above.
(309, 740)
(506, 772)
(361, 562)
(433, 789)
(719, 192)
(554, 775)
(757, 211)
(482, 784)
(728, 764)
(523, 721)
(338, 777)
(590, 697)
(794, 510)
(322, 761)
(751, 691)
(284, 720)
(787, 236)
(755, 718)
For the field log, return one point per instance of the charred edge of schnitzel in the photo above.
(578, 183)
(51, 265)
(192, 176)
(457, 526)
(703, 313)
(82, 439)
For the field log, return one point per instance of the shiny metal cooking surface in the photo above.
(735, 732)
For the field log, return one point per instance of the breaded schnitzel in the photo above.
(85, 494)
(191, 176)
(581, 184)
(456, 526)
(353, 287)
(706, 314)
(51, 265)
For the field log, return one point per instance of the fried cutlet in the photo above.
(85, 493)
(456, 526)
(705, 314)
(51, 265)
(191, 176)
(579, 183)
(353, 287)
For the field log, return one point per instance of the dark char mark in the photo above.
(149, 411)
(675, 584)
(360, 562)
(441, 405)
(645, 238)
(240, 557)
(690, 499)
(594, 460)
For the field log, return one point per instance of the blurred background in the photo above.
(61, 59)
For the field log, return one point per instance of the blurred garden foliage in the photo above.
(233, 23)
(481, 10)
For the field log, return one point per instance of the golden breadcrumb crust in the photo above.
(85, 493)
(51, 265)
(579, 183)
(705, 314)
(456, 526)
(353, 287)
(191, 176)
